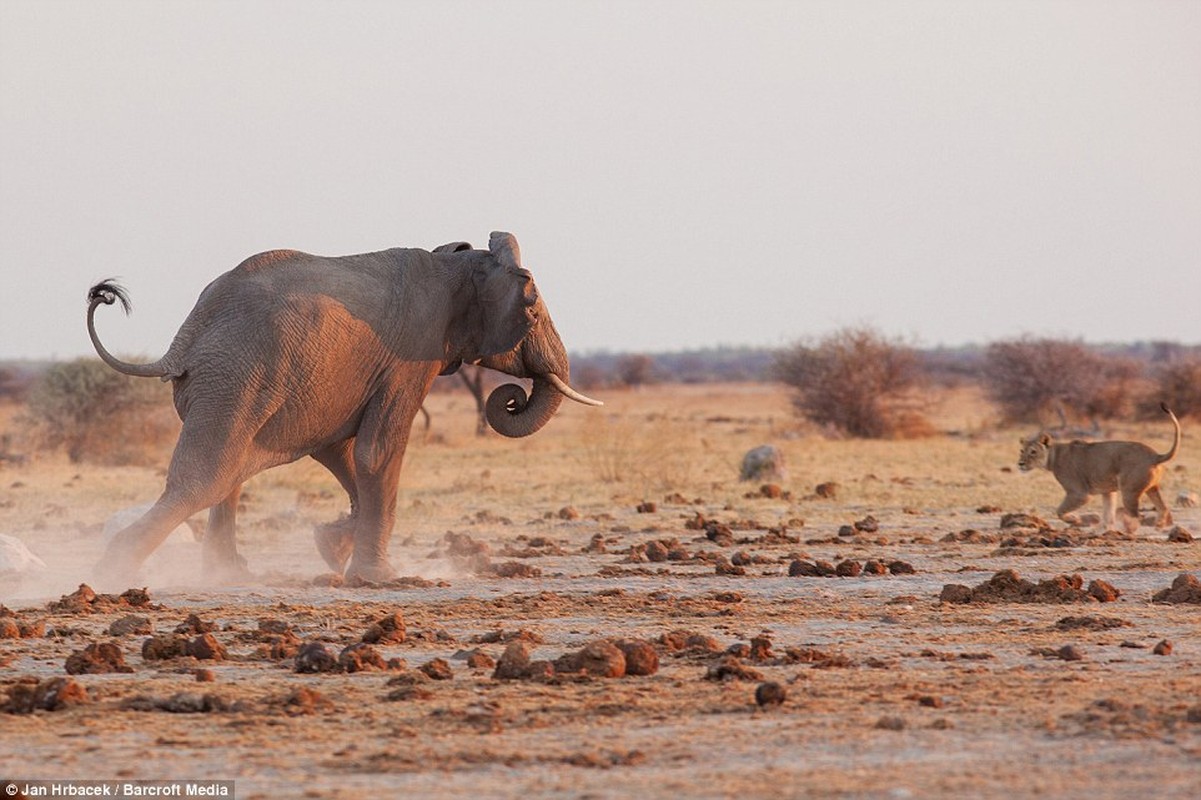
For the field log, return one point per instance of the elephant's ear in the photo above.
(504, 247)
(506, 296)
(452, 247)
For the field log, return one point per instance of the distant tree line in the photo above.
(854, 382)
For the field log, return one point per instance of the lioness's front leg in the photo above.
(1073, 501)
(1109, 508)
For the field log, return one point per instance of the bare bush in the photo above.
(636, 370)
(98, 414)
(1031, 379)
(1179, 385)
(857, 382)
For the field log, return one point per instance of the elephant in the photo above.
(291, 355)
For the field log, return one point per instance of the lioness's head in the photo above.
(1034, 452)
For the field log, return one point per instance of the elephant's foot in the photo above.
(367, 574)
(223, 565)
(115, 573)
(335, 542)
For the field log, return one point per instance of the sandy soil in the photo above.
(888, 690)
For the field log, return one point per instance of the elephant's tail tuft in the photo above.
(108, 291)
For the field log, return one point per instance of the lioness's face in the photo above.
(1034, 452)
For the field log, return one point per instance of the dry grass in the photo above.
(1010, 723)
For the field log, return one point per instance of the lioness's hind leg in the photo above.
(1073, 501)
(1129, 510)
(1165, 516)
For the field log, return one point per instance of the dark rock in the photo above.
(96, 658)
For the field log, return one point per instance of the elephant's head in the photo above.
(518, 338)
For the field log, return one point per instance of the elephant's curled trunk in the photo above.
(511, 413)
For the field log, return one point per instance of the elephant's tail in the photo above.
(108, 292)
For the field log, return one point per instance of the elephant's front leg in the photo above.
(379, 451)
(220, 550)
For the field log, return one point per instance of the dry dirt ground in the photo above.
(540, 546)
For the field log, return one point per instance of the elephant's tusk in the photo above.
(569, 393)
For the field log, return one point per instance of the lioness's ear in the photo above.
(1044, 439)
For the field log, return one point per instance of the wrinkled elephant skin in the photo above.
(291, 355)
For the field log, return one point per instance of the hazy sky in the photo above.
(679, 174)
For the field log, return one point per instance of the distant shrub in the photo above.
(1031, 379)
(1179, 385)
(635, 369)
(98, 414)
(857, 382)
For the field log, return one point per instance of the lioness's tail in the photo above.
(108, 292)
(1168, 456)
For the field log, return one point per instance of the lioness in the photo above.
(1087, 468)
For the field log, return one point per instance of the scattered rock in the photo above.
(874, 567)
(868, 524)
(1090, 623)
(802, 569)
(763, 463)
(194, 624)
(437, 669)
(389, 629)
(568, 513)
(1069, 652)
(359, 657)
(688, 641)
(889, 723)
(770, 694)
(640, 656)
(131, 624)
(646, 507)
(719, 534)
(315, 657)
(514, 662)
(1007, 587)
(1185, 589)
(164, 646)
(724, 567)
(205, 647)
(1187, 499)
(304, 700)
(848, 569)
(1179, 535)
(729, 668)
(204, 675)
(85, 601)
(827, 491)
(901, 568)
(1102, 591)
(1024, 521)
(96, 658)
(478, 659)
(52, 694)
(760, 649)
(600, 659)
(1164, 648)
(515, 569)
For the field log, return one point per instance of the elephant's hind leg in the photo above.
(335, 540)
(221, 557)
(201, 475)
